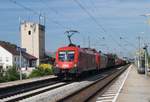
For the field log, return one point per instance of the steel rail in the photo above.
(21, 96)
(24, 87)
(91, 89)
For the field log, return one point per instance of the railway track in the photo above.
(20, 91)
(24, 87)
(72, 92)
(111, 92)
(54, 90)
(20, 96)
(90, 90)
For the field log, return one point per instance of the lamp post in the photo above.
(139, 57)
(145, 49)
(146, 59)
(140, 39)
(20, 60)
(20, 65)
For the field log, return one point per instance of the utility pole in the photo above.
(139, 57)
(40, 16)
(84, 41)
(146, 59)
(20, 64)
(20, 71)
(20, 59)
(89, 42)
(145, 48)
(20, 51)
(42, 19)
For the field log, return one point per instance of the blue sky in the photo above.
(120, 18)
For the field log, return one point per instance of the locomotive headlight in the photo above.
(75, 65)
(56, 65)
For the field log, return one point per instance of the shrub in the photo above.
(2, 77)
(11, 74)
(42, 70)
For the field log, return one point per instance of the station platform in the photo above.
(136, 87)
(18, 82)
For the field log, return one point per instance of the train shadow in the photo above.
(91, 75)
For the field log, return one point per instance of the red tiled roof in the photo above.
(13, 50)
(28, 56)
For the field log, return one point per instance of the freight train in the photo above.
(72, 61)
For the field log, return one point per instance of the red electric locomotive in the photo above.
(73, 60)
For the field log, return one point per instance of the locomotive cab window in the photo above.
(62, 56)
(66, 55)
(70, 55)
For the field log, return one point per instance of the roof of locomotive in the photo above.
(85, 50)
(68, 48)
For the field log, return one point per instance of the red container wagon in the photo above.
(119, 62)
(111, 60)
(104, 61)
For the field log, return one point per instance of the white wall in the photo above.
(6, 58)
(35, 41)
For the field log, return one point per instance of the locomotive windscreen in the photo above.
(66, 55)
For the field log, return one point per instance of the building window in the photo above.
(7, 67)
(18, 59)
(0, 59)
(7, 59)
(15, 59)
(25, 61)
(29, 32)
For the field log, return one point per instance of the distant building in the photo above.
(10, 56)
(49, 58)
(33, 39)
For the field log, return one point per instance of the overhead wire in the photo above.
(57, 13)
(96, 22)
(35, 12)
(58, 23)
(131, 44)
(52, 9)
(24, 7)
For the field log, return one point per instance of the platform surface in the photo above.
(12, 83)
(136, 88)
